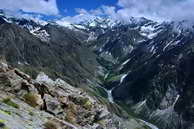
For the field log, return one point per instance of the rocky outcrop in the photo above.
(47, 104)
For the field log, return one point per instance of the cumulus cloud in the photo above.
(157, 9)
(82, 15)
(48, 7)
(86, 15)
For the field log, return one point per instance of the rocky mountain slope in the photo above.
(49, 48)
(144, 66)
(26, 103)
(57, 61)
(151, 70)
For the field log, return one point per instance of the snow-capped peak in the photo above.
(183, 26)
(90, 22)
(64, 24)
(150, 30)
(101, 22)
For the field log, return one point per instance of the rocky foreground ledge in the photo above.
(46, 104)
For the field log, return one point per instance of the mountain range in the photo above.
(139, 70)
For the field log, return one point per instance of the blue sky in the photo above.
(67, 7)
(74, 10)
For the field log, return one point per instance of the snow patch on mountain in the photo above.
(149, 124)
(177, 98)
(123, 77)
(124, 63)
(110, 97)
(41, 34)
(80, 27)
(65, 24)
(183, 27)
(43, 78)
(101, 22)
(149, 31)
(92, 37)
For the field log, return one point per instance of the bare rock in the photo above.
(52, 104)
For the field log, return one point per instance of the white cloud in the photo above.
(85, 15)
(36, 6)
(81, 11)
(77, 18)
(110, 11)
(82, 15)
(157, 9)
